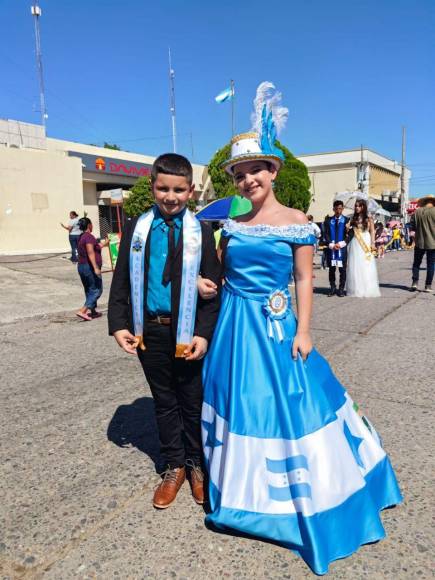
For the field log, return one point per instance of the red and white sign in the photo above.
(107, 165)
(412, 206)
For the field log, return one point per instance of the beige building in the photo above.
(43, 179)
(365, 170)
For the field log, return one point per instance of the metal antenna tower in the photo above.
(403, 190)
(172, 95)
(36, 13)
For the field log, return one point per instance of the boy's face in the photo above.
(338, 210)
(172, 192)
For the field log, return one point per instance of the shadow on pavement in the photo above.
(396, 286)
(135, 425)
(324, 290)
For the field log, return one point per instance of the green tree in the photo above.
(292, 186)
(140, 199)
(222, 183)
(111, 146)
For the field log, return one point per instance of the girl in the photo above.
(289, 458)
(380, 239)
(362, 276)
(89, 269)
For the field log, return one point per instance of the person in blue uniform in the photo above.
(289, 457)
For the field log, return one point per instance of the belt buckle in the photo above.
(158, 318)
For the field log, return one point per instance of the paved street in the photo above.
(78, 438)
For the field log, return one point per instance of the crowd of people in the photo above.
(371, 239)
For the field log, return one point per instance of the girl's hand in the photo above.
(303, 344)
(197, 348)
(206, 288)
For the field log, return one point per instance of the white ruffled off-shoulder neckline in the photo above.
(299, 231)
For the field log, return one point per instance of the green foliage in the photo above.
(111, 146)
(140, 199)
(292, 186)
(191, 204)
(222, 183)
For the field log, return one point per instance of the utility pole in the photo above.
(172, 100)
(403, 193)
(191, 146)
(36, 13)
(361, 170)
(233, 107)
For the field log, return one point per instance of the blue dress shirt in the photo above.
(159, 296)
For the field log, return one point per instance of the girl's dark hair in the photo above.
(364, 214)
(74, 212)
(84, 223)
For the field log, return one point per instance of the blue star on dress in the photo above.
(212, 441)
(354, 443)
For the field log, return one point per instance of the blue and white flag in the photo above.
(225, 95)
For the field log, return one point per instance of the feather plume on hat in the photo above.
(269, 117)
(268, 120)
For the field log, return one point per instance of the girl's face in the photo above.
(358, 208)
(254, 180)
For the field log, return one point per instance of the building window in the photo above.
(108, 218)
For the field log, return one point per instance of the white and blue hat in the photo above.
(268, 118)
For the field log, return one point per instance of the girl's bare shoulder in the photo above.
(294, 216)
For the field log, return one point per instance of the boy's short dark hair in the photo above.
(172, 164)
(337, 202)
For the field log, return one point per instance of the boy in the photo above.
(336, 237)
(152, 312)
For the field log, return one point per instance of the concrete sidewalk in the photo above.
(79, 439)
(41, 285)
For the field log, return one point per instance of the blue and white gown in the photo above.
(289, 458)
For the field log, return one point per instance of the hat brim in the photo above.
(276, 161)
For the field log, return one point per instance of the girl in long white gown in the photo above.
(362, 276)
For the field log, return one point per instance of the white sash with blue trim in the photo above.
(192, 242)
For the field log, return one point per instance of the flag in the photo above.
(225, 95)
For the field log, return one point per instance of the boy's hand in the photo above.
(127, 341)
(206, 288)
(197, 348)
(303, 344)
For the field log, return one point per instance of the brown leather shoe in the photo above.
(196, 482)
(166, 491)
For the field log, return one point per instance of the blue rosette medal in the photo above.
(276, 306)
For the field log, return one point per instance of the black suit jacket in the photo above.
(120, 315)
(327, 230)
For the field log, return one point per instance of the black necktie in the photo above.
(167, 271)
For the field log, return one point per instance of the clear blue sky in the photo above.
(351, 72)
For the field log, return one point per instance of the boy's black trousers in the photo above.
(176, 386)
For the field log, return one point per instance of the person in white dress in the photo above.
(362, 276)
